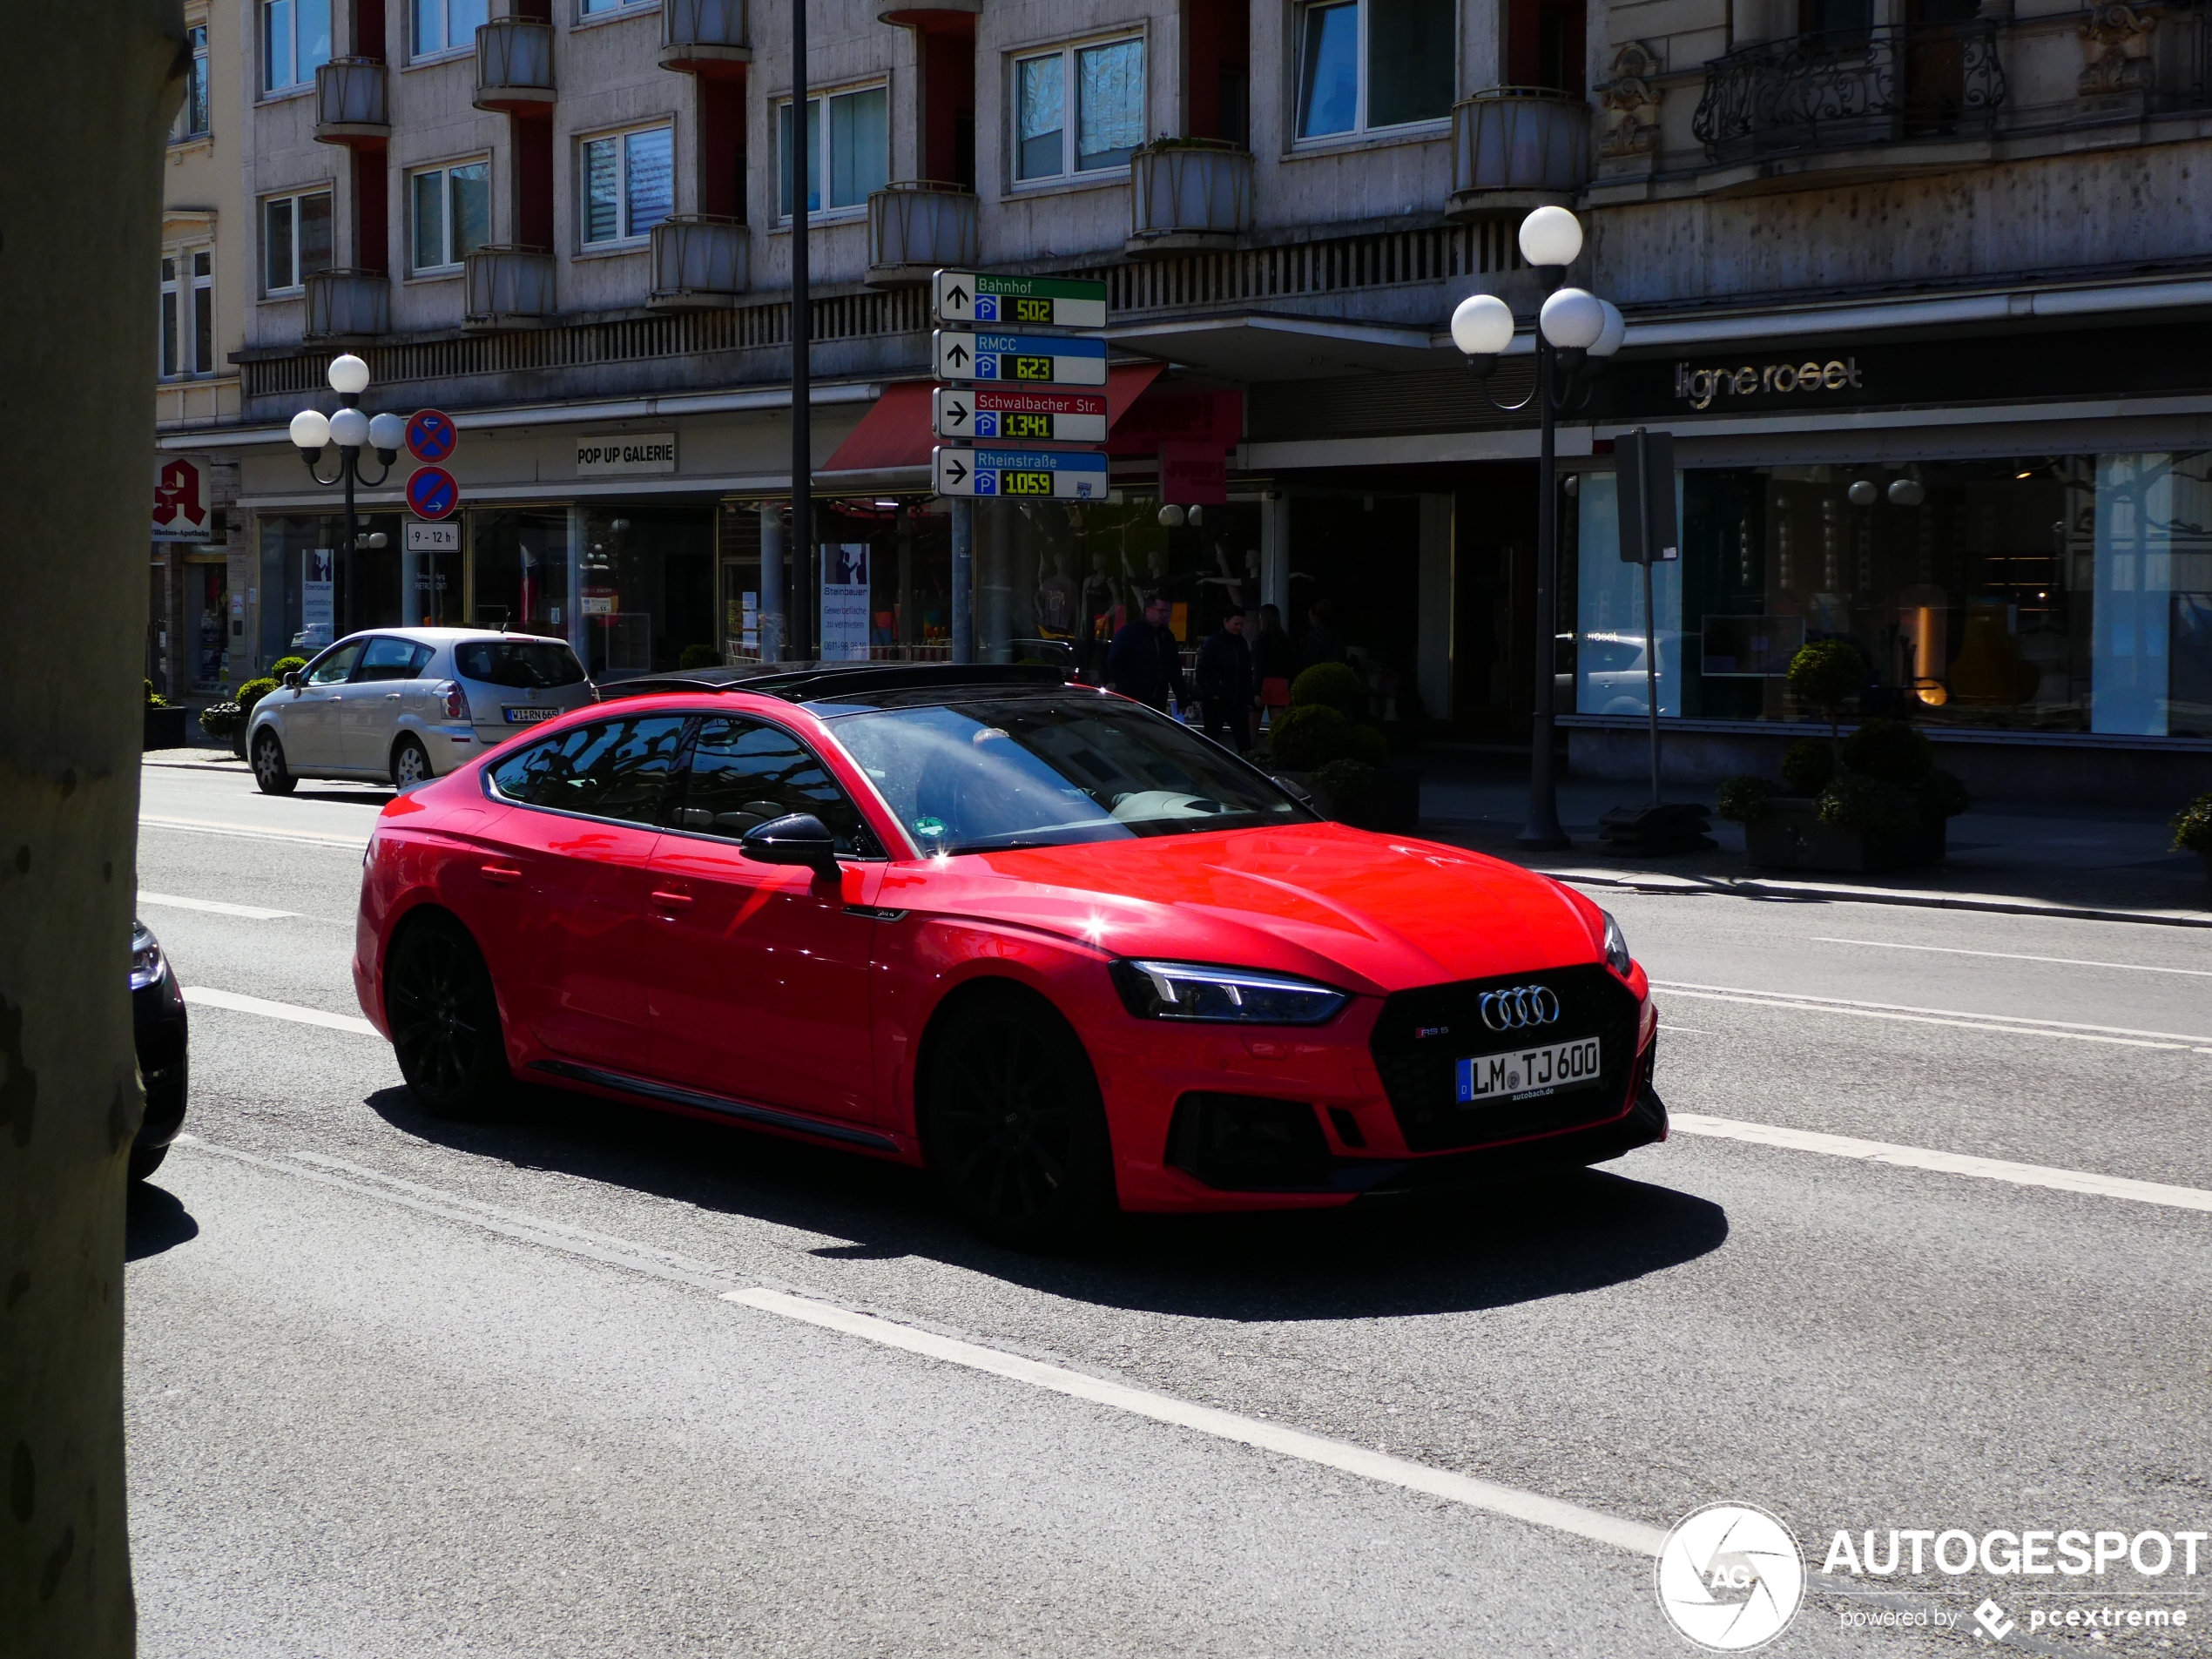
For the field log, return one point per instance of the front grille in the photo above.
(1422, 1036)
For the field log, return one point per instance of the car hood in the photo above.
(1372, 913)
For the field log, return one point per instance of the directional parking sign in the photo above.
(432, 493)
(1030, 360)
(1021, 417)
(977, 297)
(431, 436)
(1066, 474)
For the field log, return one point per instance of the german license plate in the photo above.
(1521, 1073)
(529, 717)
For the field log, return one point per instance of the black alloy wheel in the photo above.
(445, 1020)
(269, 770)
(145, 1160)
(411, 764)
(1012, 1123)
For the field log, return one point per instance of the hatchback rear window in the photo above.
(522, 664)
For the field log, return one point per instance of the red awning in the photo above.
(895, 434)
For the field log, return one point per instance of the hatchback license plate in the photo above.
(1518, 1074)
(529, 717)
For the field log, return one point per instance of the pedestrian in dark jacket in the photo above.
(1145, 662)
(1225, 692)
(1322, 642)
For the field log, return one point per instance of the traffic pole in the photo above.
(801, 619)
(963, 579)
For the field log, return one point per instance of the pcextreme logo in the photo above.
(1729, 1577)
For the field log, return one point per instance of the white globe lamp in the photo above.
(1615, 329)
(387, 433)
(1572, 319)
(1482, 325)
(1551, 236)
(349, 428)
(310, 431)
(348, 375)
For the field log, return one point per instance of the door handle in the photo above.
(675, 900)
(391, 696)
(501, 873)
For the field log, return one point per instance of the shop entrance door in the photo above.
(1493, 571)
(206, 618)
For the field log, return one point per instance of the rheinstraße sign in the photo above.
(615, 453)
(1066, 474)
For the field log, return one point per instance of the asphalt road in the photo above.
(548, 1385)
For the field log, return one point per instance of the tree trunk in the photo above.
(80, 214)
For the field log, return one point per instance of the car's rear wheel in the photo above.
(145, 1160)
(410, 764)
(269, 769)
(1011, 1121)
(445, 1020)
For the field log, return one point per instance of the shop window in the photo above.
(645, 588)
(438, 26)
(629, 183)
(192, 114)
(451, 214)
(1078, 110)
(188, 314)
(295, 241)
(520, 570)
(2153, 673)
(295, 41)
(848, 149)
(1367, 65)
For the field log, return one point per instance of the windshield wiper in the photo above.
(1003, 846)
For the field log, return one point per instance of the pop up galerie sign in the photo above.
(626, 451)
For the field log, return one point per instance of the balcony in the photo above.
(916, 225)
(1187, 193)
(710, 38)
(514, 65)
(509, 287)
(344, 304)
(700, 263)
(1849, 89)
(924, 14)
(349, 103)
(1517, 147)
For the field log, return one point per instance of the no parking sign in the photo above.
(432, 493)
(431, 436)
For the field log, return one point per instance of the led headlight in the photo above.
(1221, 995)
(147, 963)
(1616, 946)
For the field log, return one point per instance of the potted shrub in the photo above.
(1323, 726)
(164, 726)
(223, 722)
(249, 694)
(2193, 832)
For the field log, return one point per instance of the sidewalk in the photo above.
(2033, 858)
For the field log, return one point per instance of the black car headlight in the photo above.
(147, 963)
(1616, 946)
(1221, 995)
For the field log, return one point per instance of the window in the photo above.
(295, 239)
(192, 114)
(745, 772)
(629, 183)
(188, 313)
(848, 149)
(443, 26)
(451, 210)
(1368, 64)
(604, 8)
(391, 658)
(529, 667)
(615, 769)
(1106, 84)
(335, 667)
(295, 41)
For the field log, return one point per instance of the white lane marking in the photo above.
(251, 912)
(255, 832)
(1921, 1157)
(1206, 1420)
(2012, 1025)
(2015, 957)
(201, 996)
(1379, 1467)
(1686, 1030)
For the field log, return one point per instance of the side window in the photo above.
(337, 668)
(617, 769)
(745, 772)
(420, 661)
(389, 659)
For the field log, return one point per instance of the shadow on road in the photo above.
(155, 1220)
(1582, 1230)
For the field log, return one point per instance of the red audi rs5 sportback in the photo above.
(1057, 948)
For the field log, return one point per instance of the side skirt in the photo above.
(766, 1116)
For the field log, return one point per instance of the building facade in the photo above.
(1916, 284)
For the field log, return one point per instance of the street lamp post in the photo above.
(351, 431)
(1575, 331)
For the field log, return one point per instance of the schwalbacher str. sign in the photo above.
(979, 298)
(980, 412)
(1020, 360)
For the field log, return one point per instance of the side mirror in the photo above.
(292, 677)
(796, 837)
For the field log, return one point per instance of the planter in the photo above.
(1188, 193)
(1393, 804)
(1789, 835)
(165, 728)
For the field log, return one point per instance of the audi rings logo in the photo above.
(1519, 1008)
(1729, 1577)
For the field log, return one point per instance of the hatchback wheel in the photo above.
(269, 770)
(411, 764)
(445, 1020)
(1012, 1123)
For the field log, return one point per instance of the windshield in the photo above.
(522, 664)
(1039, 771)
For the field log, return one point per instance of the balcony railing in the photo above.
(916, 225)
(1188, 193)
(509, 287)
(1513, 147)
(514, 65)
(342, 303)
(1849, 88)
(699, 263)
(349, 102)
(704, 37)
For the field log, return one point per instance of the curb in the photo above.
(1802, 892)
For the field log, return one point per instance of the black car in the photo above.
(157, 1027)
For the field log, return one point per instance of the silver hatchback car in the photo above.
(408, 705)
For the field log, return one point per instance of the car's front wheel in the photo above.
(269, 770)
(1011, 1121)
(445, 1020)
(410, 764)
(145, 1160)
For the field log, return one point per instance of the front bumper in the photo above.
(160, 1033)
